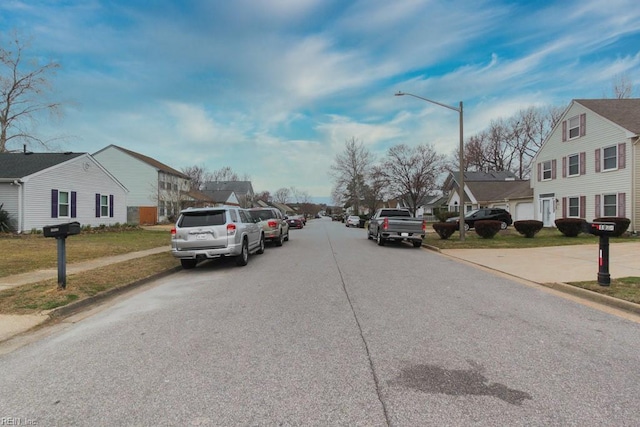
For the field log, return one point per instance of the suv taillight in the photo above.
(231, 229)
(173, 233)
(272, 224)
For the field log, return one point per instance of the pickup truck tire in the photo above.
(380, 239)
(369, 235)
(417, 244)
(188, 264)
(243, 258)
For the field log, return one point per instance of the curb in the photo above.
(563, 287)
(74, 307)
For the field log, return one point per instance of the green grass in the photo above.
(625, 288)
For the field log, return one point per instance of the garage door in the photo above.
(524, 211)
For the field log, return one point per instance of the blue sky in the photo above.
(274, 88)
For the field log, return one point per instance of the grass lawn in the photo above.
(30, 252)
(625, 288)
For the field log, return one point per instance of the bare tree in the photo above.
(349, 171)
(199, 175)
(282, 195)
(622, 87)
(375, 188)
(265, 196)
(411, 173)
(23, 86)
(224, 174)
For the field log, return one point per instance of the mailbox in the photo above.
(61, 230)
(601, 228)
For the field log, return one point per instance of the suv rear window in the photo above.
(265, 214)
(202, 219)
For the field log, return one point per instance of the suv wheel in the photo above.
(188, 264)
(280, 239)
(261, 245)
(243, 258)
(466, 226)
(503, 225)
(286, 237)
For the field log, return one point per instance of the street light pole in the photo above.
(461, 178)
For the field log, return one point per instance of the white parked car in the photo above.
(352, 221)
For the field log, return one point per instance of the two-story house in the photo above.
(589, 165)
(157, 192)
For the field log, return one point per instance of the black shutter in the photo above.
(73, 204)
(111, 205)
(54, 203)
(97, 205)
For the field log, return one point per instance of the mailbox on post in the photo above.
(60, 232)
(604, 230)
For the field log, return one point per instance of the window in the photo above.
(574, 165)
(546, 170)
(161, 207)
(574, 127)
(574, 206)
(104, 205)
(610, 205)
(610, 158)
(64, 204)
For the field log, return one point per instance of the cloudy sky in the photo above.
(274, 88)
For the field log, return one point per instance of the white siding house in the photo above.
(39, 189)
(156, 191)
(589, 165)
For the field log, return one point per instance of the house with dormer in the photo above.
(589, 165)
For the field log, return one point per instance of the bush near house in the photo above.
(443, 216)
(445, 229)
(528, 228)
(487, 228)
(5, 220)
(570, 227)
(622, 224)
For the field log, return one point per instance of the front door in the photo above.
(548, 212)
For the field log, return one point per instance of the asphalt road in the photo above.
(331, 329)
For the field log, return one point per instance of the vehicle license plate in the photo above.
(201, 236)
(404, 234)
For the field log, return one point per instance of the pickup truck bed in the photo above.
(396, 225)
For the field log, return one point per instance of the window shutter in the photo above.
(564, 167)
(583, 124)
(564, 207)
(54, 203)
(564, 131)
(97, 205)
(553, 169)
(110, 205)
(73, 204)
(583, 206)
(539, 172)
(622, 205)
(597, 210)
(622, 155)
(597, 153)
(583, 165)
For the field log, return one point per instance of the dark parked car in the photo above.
(295, 222)
(496, 214)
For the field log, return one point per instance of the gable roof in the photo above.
(20, 165)
(239, 187)
(487, 191)
(500, 176)
(219, 195)
(623, 112)
(150, 161)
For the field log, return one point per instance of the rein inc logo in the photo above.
(17, 421)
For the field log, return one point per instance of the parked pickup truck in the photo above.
(397, 225)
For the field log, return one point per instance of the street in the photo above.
(331, 329)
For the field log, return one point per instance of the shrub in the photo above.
(5, 220)
(528, 228)
(444, 215)
(445, 229)
(622, 224)
(570, 227)
(487, 228)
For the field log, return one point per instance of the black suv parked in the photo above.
(497, 214)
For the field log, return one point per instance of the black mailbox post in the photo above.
(603, 230)
(60, 232)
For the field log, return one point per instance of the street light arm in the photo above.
(428, 100)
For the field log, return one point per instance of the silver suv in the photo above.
(203, 233)
(275, 228)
